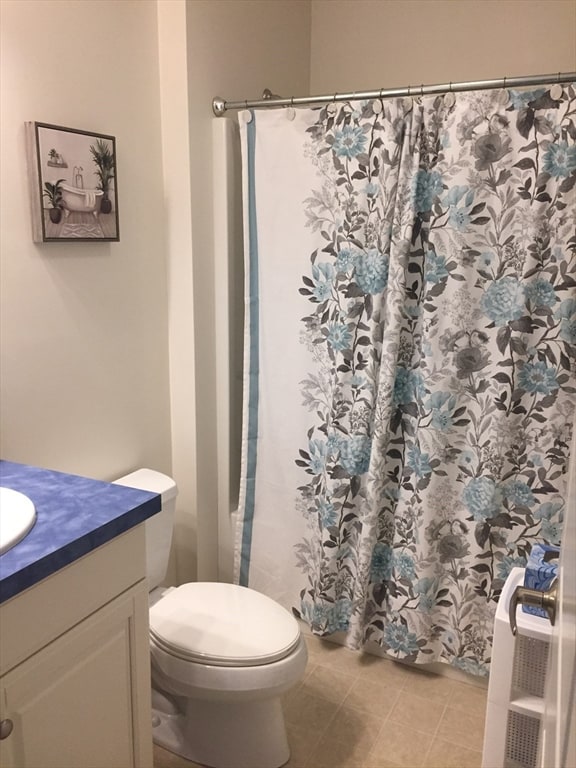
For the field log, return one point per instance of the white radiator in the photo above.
(517, 685)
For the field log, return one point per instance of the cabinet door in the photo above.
(84, 700)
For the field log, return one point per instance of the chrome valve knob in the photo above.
(536, 598)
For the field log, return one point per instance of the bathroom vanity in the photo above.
(74, 649)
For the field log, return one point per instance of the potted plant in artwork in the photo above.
(53, 193)
(104, 161)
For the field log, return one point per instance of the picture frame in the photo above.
(73, 184)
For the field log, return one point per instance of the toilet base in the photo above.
(247, 734)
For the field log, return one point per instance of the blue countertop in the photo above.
(74, 515)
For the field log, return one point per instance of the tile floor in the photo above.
(355, 710)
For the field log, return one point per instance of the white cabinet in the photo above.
(517, 684)
(74, 657)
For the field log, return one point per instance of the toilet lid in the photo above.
(222, 624)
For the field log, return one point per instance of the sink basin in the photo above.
(17, 516)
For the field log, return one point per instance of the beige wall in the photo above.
(236, 49)
(173, 61)
(233, 48)
(99, 340)
(84, 356)
(373, 44)
(89, 335)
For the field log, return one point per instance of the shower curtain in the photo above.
(410, 360)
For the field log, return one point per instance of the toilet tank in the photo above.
(158, 527)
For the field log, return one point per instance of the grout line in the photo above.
(322, 732)
(384, 721)
(399, 685)
(435, 734)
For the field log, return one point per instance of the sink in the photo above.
(17, 516)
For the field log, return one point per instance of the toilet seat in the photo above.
(222, 625)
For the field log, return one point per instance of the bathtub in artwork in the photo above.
(81, 200)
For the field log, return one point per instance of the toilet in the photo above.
(222, 656)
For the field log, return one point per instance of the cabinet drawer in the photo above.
(34, 618)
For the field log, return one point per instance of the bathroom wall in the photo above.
(372, 44)
(84, 326)
(234, 50)
(108, 350)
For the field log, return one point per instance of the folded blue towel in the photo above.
(541, 570)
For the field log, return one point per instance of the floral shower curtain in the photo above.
(410, 360)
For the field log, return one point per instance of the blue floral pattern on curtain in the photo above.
(443, 327)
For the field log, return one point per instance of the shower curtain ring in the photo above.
(409, 94)
(450, 88)
(421, 90)
(504, 82)
(292, 101)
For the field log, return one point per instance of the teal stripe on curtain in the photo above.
(252, 440)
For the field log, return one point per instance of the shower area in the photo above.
(409, 341)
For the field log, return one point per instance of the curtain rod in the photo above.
(220, 106)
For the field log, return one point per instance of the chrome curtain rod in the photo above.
(220, 106)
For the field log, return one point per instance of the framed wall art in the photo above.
(73, 184)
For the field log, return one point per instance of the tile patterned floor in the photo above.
(354, 710)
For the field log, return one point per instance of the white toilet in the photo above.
(222, 656)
